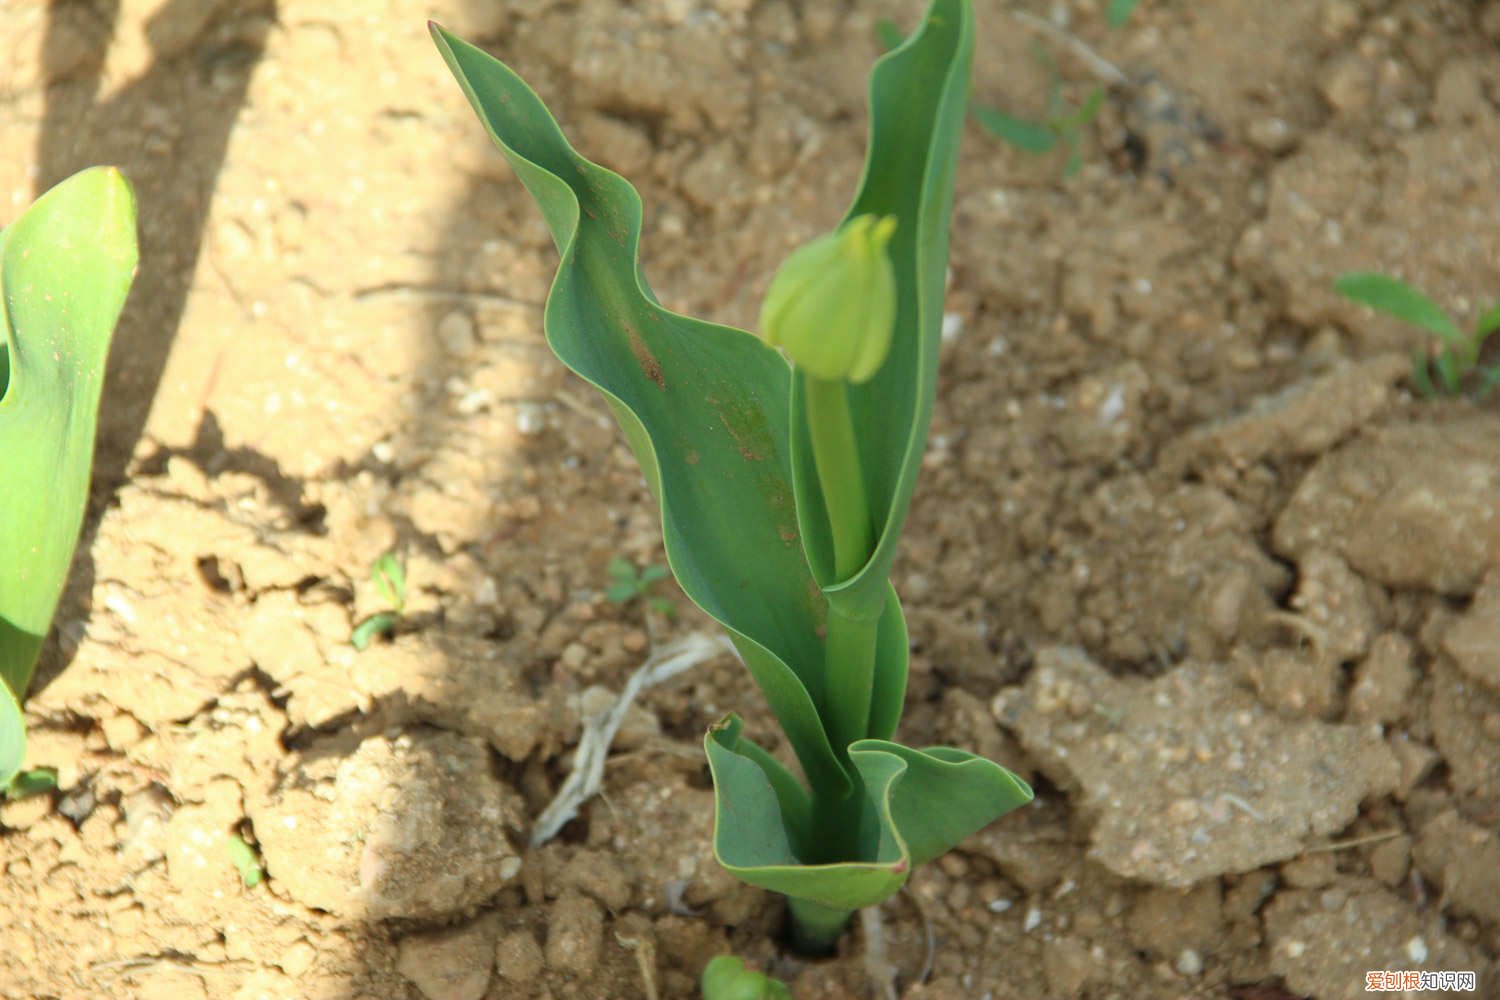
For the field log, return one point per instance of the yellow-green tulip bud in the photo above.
(832, 305)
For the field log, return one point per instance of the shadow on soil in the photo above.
(168, 130)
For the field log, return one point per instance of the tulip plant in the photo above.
(65, 267)
(784, 478)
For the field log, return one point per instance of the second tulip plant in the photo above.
(784, 467)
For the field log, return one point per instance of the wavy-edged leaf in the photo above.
(65, 269)
(918, 96)
(754, 842)
(937, 796)
(920, 804)
(704, 407)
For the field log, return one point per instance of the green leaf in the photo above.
(621, 591)
(651, 574)
(389, 578)
(892, 656)
(918, 97)
(1084, 113)
(920, 804)
(622, 569)
(705, 408)
(12, 736)
(245, 860)
(65, 268)
(888, 34)
(664, 607)
(1421, 376)
(1022, 133)
(938, 796)
(1488, 379)
(1450, 372)
(33, 782)
(726, 978)
(1074, 162)
(1489, 322)
(1119, 11)
(754, 839)
(1396, 298)
(365, 632)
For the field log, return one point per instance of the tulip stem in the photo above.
(849, 643)
(836, 456)
(816, 929)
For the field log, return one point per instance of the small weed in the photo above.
(1454, 357)
(1119, 11)
(389, 578)
(727, 978)
(246, 861)
(626, 583)
(1060, 125)
(36, 781)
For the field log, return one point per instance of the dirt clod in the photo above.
(411, 827)
(1191, 747)
(1413, 505)
(518, 957)
(575, 933)
(1390, 936)
(1464, 861)
(452, 964)
(1383, 681)
(1474, 639)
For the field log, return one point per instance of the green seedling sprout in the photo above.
(1455, 354)
(626, 583)
(1119, 11)
(389, 578)
(65, 269)
(35, 781)
(783, 479)
(246, 860)
(726, 978)
(1060, 125)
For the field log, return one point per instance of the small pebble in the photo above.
(530, 421)
(1272, 135)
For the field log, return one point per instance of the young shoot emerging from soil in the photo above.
(784, 479)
